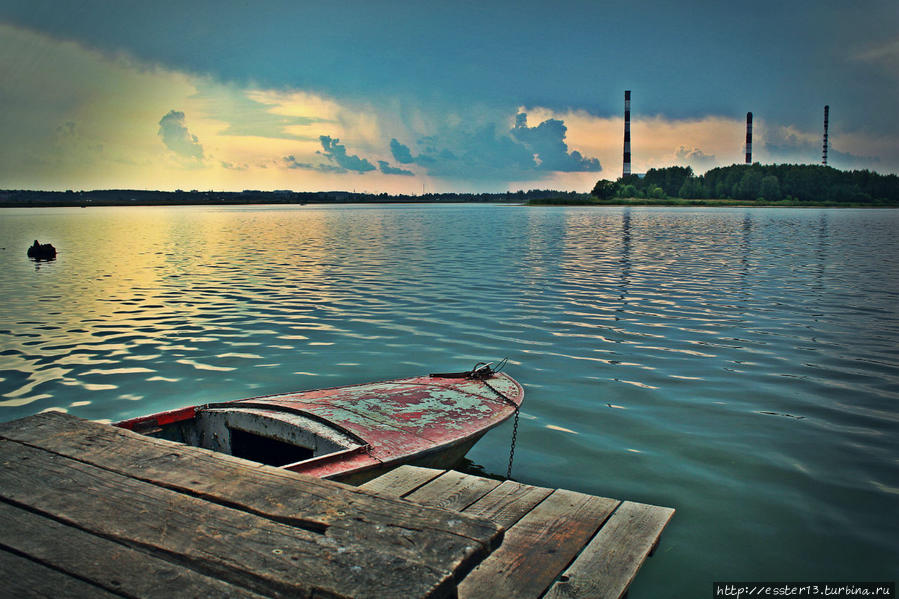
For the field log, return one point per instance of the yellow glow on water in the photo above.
(885, 488)
(202, 366)
(35, 378)
(117, 371)
(482, 281)
(637, 384)
(23, 401)
(561, 428)
(96, 386)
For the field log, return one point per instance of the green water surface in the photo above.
(737, 364)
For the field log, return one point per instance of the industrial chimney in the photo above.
(826, 118)
(627, 134)
(748, 138)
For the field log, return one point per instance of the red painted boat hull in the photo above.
(361, 430)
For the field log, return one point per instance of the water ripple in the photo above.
(715, 360)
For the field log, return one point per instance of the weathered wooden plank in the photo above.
(453, 491)
(610, 562)
(343, 513)
(24, 578)
(539, 546)
(241, 548)
(507, 503)
(401, 481)
(102, 562)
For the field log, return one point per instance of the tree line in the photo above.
(770, 183)
(139, 197)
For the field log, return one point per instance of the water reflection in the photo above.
(625, 260)
(821, 250)
(667, 340)
(745, 263)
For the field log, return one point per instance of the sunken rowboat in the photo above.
(352, 433)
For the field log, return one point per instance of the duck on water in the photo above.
(42, 251)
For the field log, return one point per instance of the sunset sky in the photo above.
(437, 96)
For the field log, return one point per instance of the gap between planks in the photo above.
(558, 544)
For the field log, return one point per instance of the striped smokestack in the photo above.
(748, 138)
(826, 119)
(627, 134)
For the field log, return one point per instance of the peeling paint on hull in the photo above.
(431, 420)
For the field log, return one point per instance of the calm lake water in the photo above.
(740, 365)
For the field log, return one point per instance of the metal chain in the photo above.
(514, 426)
(512, 450)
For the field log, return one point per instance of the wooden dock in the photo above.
(557, 543)
(92, 510)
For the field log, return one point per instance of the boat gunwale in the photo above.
(277, 407)
(512, 403)
(518, 387)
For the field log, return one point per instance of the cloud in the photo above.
(255, 113)
(401, 153)
(292, 163)
(789, 144)
(66, 130)
(885, 54)
(547, 142)
(458, 141)
(336, 152)
(699, 160)
(392, 170)
(488, 151)
(177, 138)
(449, 55)
(479, 154)
(329, 168)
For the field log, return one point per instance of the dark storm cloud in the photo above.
(483, 153)
(392, 170)
(401, 153)
(177, 138)
(698, 58)
(547, 142)
(336, 152)
(487, 152)
(457, 67)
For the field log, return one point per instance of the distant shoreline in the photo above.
(87, 199)
(715, 203)
(150, 204)
(636, 202)
(140, 197)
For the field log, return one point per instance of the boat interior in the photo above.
(261, 434)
